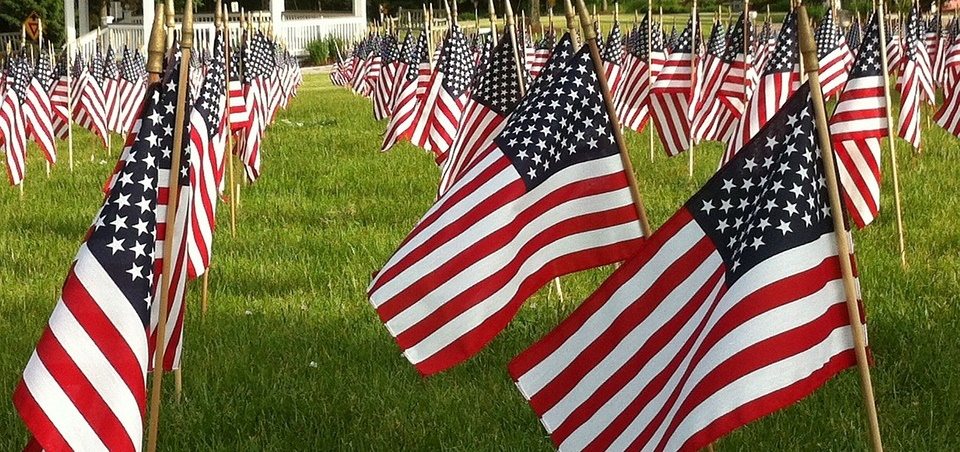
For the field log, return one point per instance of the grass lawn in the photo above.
(291, 356)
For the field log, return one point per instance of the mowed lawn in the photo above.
(291, 355)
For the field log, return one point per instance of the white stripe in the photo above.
(61, 411)
(99, 371)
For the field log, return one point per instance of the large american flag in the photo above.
(834, 55)
(734, 309)
(84, 387)
(493, 99)
(779, 80)
(857, 126)
(549, 199)
(673, 92)
(644, 63)
(916, 82)
(13, 127)
(406, 101)
(207, 147)
(438, 115)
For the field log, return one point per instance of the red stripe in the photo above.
(45, 434)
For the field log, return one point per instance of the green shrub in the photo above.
(319, 51)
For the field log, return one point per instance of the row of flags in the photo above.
(102, 95)
(84, 387)
(735, 307)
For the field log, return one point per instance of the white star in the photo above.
(592, 143)
(146, 182)
(725, 205)
(771, 142)
(98, 222)
(784, 227)
(138, 249)
(123, 201)
(126, 178)
(764, 224)
(143, 204)
(708, 206)
(115, 245)
(791, 120)
(750, 165)
(757, 243)
(796, 190)
(532, 173)
(136, 271)
(119, 223)
(722, 225)
(141, 227)
(747, 184)
(806, 219)
(771, 204)
(791, 208)
(728, 185)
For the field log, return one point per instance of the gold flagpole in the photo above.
(570, 14)
(493, 22)
(891, 138)
(590, 37)
(156, 55)
(694, 53)
(228, 49)
(808, 49)
(650, 69)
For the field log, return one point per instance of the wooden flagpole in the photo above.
(694, 53)
(650, 69)
(570, 14)
(590, 38)
(156, 56)
(23, 43)
(228, 48)
(891, 138)
(808, 49)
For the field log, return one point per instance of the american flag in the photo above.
(738, 81)
(562, 52)
(255, 99)
(541, 53)
(857, 126)
(163, 122)
(60, 99)
(644, 64)
(89, 109)
(915, 80)
(734, 310)
(834, 55)
(84, 386)
(389, 61)
(948, 116)
(208, 142)
(111, 91)
(672, 93)
(612, 54)
(933, 39)
(854, 33)
(779, 80)
(550, 198)
(951, 59)
(38, 111)
(13, 127)
(764, 44)
(438, 115)
(406, 102)
(707, 112)
(894, 50)
(132, 88)
(493, 99)
(239, 110)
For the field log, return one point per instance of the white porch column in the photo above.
(84, 17)
(360, 9)
(70, 20)
(148, 12)
(276, 15)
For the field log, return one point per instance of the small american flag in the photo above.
(857, 126)
(738, 81)
(915, 82)
(550, 198)
(705, 114)
(493, 99)
(645, 61)
(612, 55)
(779, 80)
(13, 127)
(89, 110)
(406, 102)
(207, 147)
(38, 110)
(389, 61)
(733, 310)
(673, 93)
(834, 55)
(438, 116)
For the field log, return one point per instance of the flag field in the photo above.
(290, 355)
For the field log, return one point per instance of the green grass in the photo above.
(292, 357)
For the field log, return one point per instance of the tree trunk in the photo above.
(535, 16)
